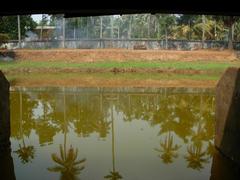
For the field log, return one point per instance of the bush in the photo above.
(4, 38)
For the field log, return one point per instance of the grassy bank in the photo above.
(196, 65)
(136, 73)
(111, 80)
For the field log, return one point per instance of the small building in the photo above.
(45, 32)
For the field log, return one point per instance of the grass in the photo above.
(111, 76)
(197, 65)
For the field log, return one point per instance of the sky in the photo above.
(37, 17)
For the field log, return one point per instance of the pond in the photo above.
(112, 133)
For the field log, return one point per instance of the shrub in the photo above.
(4, 38)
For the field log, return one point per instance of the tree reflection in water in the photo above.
(196, 157)
(168, 149)
(113, 175)
(68, 165)
(25, 153)
(189, 117)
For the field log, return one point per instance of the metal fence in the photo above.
(121, 43)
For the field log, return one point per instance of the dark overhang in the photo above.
(74, 8)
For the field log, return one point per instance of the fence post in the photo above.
(63, 41)
(19, 31)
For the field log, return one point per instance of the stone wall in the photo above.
(122, 43)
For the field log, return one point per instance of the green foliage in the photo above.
(9, 25)
(4, 38)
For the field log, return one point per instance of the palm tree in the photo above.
(228, 22)
(196, 157)
(168, 149)
(68, 165)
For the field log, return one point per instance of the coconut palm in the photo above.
(196, 157)
(168, 149)
(68, 165)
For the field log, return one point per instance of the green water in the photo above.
(118, 133)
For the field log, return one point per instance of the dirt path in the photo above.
(112, 70)
(93, 55)
(90, 82)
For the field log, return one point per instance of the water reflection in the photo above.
(67, 163)
(178, 127)
(113, 175)
(196, 156)
(25, 152)
(168, 149)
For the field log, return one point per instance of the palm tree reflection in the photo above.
(196, 157)
(168, 149)
(103, 127)
(25, 153)
(113, 175)
(68, 165)
(211, 149)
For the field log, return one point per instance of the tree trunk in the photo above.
(166, 38)
(74, 33)
(130, 28)
(189, 34)
(203, 30)
(230, 37)
(101, 27)
(41, 33)
(233, 27)
(215, 30)
(118, 32)
(113, 148)
(149, 20)
(63, 41)
(87, 27)
(19, 32)
(111, 27)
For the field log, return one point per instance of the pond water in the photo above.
(112, 133)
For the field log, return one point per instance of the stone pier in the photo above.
(4, 114)
(223, 168)
(227, 135)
